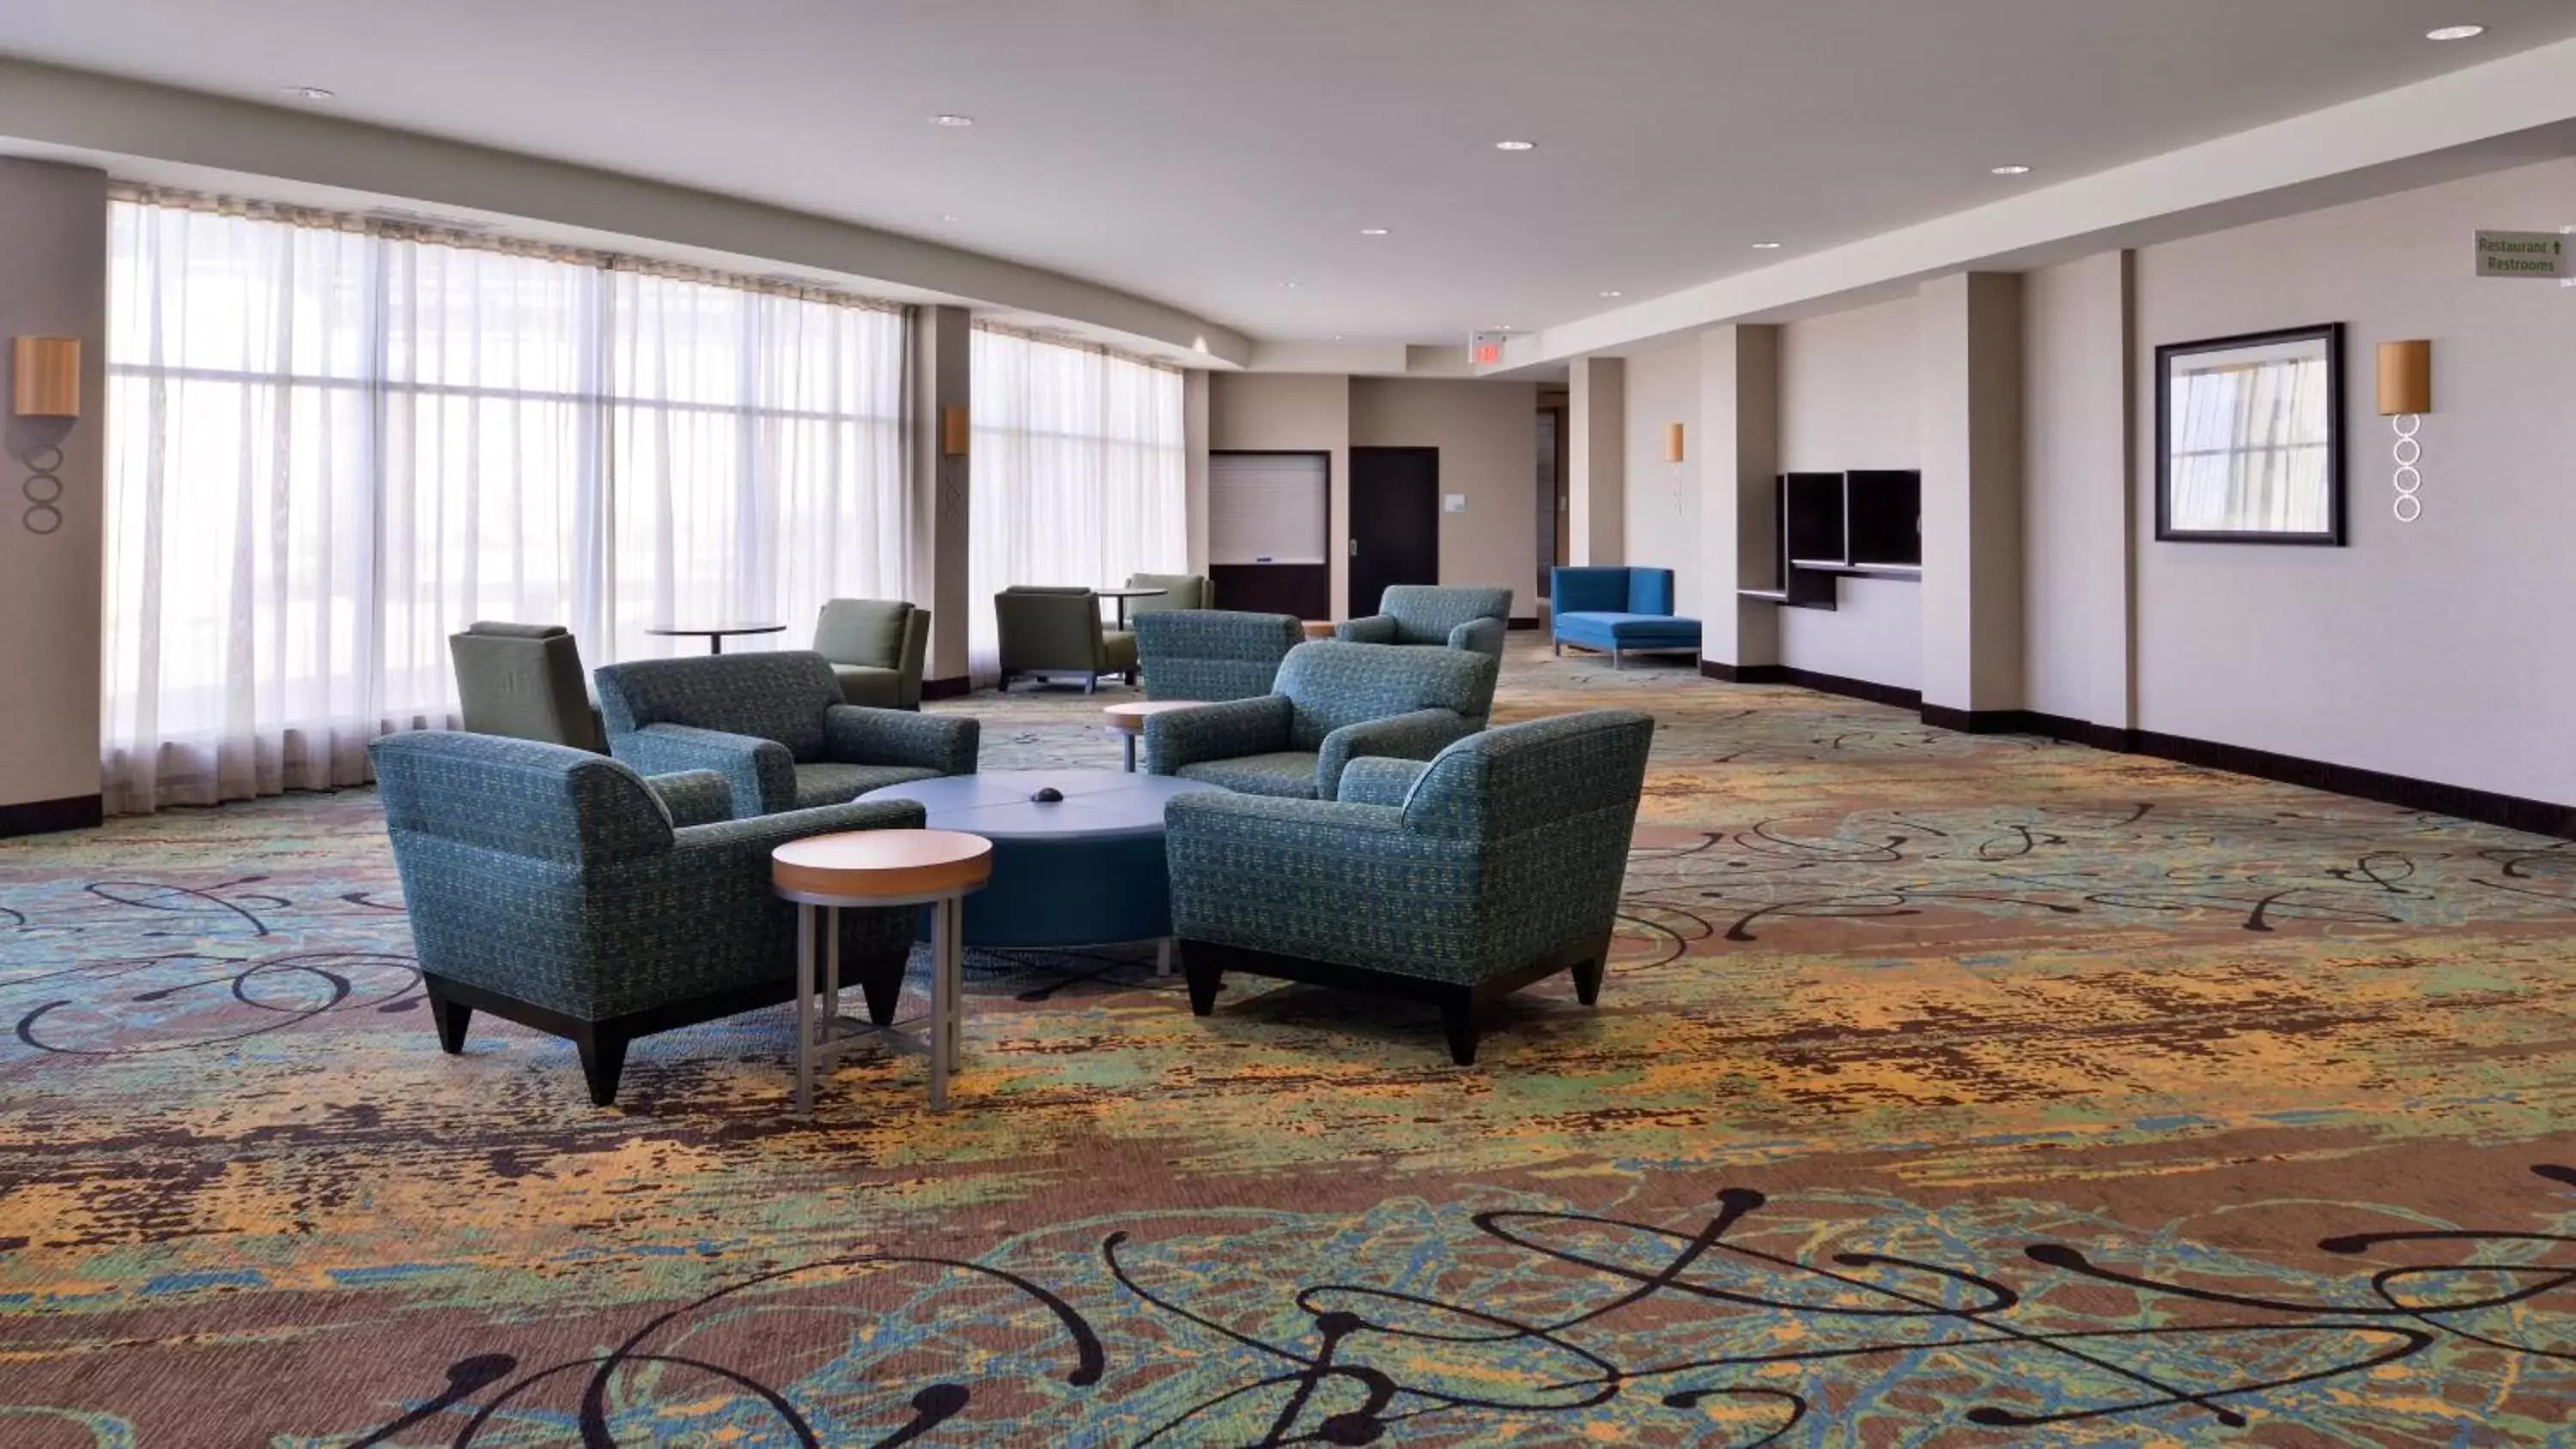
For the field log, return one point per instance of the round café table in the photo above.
(1123, 595)
(1127, 721)
(1316, 628)
(716, 633)
(826, 874)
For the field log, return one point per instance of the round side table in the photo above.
(823, 875)
(1128, 720)
(1316, 628)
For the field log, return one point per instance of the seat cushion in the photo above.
(1289, 773)
(834, 784)
(868, 685)
(1633, 631)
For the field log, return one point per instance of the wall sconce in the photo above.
(45, 383)
(2405, 395)
(1672, 442)
(954, 429)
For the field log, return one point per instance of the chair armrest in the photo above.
(1415, 736)
(856, 735)
(694, 797)
(764, 833)
(1375, 780)
(1226, 731)
(761, 772)
(1483, 636)
(1368, 629)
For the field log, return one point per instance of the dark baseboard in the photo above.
(947, 688)
(2539, 817)
(1875, 693)
(1520, 625)
(39, 817)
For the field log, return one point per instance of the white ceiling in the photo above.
(1205, 152)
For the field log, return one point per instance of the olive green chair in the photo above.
(1180, 591)
(875, 647)
(1054, 632)
(525, 682)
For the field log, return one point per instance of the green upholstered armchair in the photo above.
(1453, 882)
(1051, 632)
(557, 889)
(875, 647)
(1333, 703)
(1423, 615)
(1180, 591)
(774, 726)
(524, 681)
(1212, 654)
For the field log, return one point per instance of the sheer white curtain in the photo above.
(328, 450)
(1078, 470)
(759, 454)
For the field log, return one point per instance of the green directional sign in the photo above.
(2523, 254)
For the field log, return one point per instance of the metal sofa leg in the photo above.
(1618, 658)
(1559, 645)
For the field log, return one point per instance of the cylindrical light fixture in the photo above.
(2405, 395)
(45, 373)
(1672, 442)
(954, 428)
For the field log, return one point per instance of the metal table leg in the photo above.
(805, 1009)
(1131, 754)
(943, 1001)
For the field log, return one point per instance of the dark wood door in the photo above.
(1395, 521)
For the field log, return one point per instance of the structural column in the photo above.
(1972, 449)
(942, 379)
(53, 283)
(1596, 451)
(1739, 409)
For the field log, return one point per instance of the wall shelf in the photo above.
(1867, 523)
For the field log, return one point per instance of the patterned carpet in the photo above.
(1946, 1091)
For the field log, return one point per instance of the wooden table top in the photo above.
(890, 863)
(1316, 628)
(1129, 718)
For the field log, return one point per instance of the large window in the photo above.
(331, 446)
(1079, 471)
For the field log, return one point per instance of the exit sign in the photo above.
(2536, 254)
(1485, 349)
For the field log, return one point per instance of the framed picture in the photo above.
(2249, 438)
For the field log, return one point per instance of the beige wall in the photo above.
(1292, 412)
(2076, 545)
(1850, 389)
(1661, 522)
(2443, 649)
(53, 281)
(1596, 484)
(1487, 434)
(1970, 325)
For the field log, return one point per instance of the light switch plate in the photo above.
(1453, 503)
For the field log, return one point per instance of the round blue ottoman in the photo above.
(1086, 870)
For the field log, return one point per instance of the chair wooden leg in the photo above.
(1587, 979)
(1458, 1019)
(882, 989)
(448, 1016)
(603, 1060)
(1204, 981)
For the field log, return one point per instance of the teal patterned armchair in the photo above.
(1333, 703)
(1453, 882)
(561, 890)
(775, 727)
(1212, 654)
(1435, 616)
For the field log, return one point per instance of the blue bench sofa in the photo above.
(1619, 611)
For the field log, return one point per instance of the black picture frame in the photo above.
(2332, 536)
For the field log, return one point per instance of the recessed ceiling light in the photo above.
(2015, 170)
(947, 216)
(1609, 294)
(1766, 246)
(1372, 231)
(1515, 145)
(2456, 32)
(1292, 285)
(952, 120)
(310, 93)
(1336, 337)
